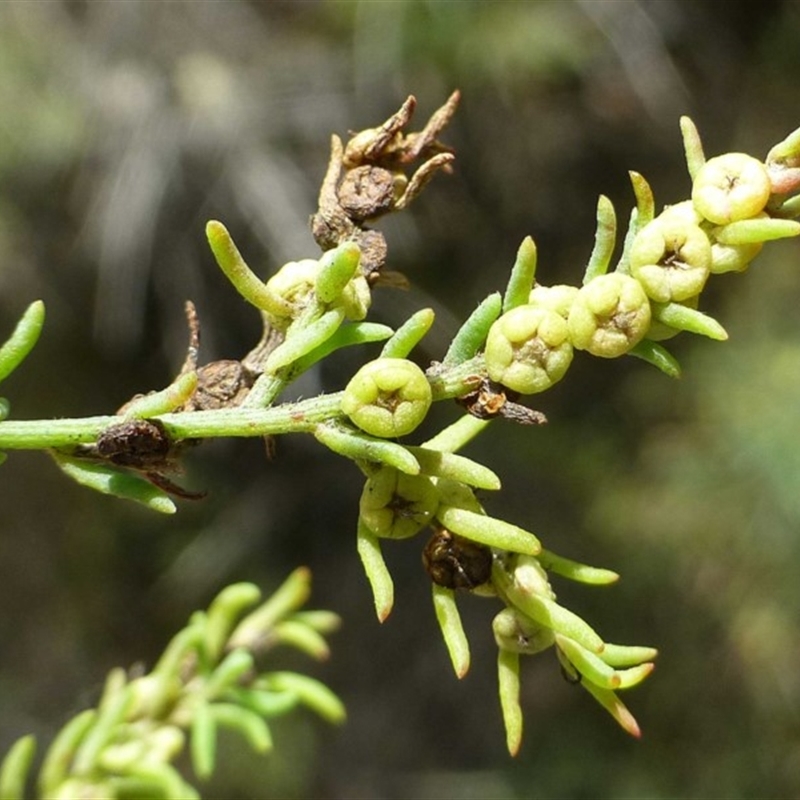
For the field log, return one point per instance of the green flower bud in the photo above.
(731, 187)
(528, 349)
(684, 212)
(515, 632)
(394, 505)
(671, 259)
(610, 315)
(355, 299)
(294, 284)
(557, 298)
(387, 397)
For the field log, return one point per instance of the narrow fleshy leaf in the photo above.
(336, 268)
(444, 605)
(523, 274)
(230, 261)
(252, 631)
(455, 467)
(22, 339)
(409, 334)
(126, 485)
(165, 401)
(692, 146)
(360, 446)
(346, 335)
(301, 342)
(318, 697)
(203, 742)
(249, 724)
(658, 356)
(369, 550)
(583, 573)
(15, 767)
(263, 702)
(623, 655)
(471, 336)
(605, 239)
(488, 530)
(109, 715)
(589, 665)
(303, 637)
(683, 318)
(225, 612)
(615, 707)
(234, 666)
(765, 229)
(508, 686)
(455, 436)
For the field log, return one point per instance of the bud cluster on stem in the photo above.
(515, 343)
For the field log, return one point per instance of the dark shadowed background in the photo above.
(125, 126)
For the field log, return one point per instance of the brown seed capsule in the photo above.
(455, 562)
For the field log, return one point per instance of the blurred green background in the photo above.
(126, 125)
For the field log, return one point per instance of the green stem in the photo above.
(299, 417)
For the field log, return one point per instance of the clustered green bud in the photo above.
(610, 315)
(671, 259)
(397, 506)
(731, 187)
(528, 349)
(388, 397)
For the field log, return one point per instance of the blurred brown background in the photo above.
(126, 125)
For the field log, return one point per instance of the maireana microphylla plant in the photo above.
(518, 342)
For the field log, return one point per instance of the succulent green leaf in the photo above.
(318, 697)
(444, 605)
(508, 686)
(683, 318)
(658, 356)
(458, 435)
(302, 341)
(523, 274)
(236, 664)
(618, 710)
(263, 702)
(245, 282)
(472, 334)
(59, 757)
(303, 637)
(488, 530)
(361, 447)
(623, 655)
(15, 767)
(155, 403)
(22, 339)
(203, 742)
(126, 485)
(225, 612)
(752, 231)
(605, 240)
(249, 724)
(369, 551)
(590, 665)
(455, 467)
(409, 334)
(582, 573)
(692, 146)
(256, 628)
(336, 268)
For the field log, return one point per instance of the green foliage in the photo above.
(516, 342)
(207, 679)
